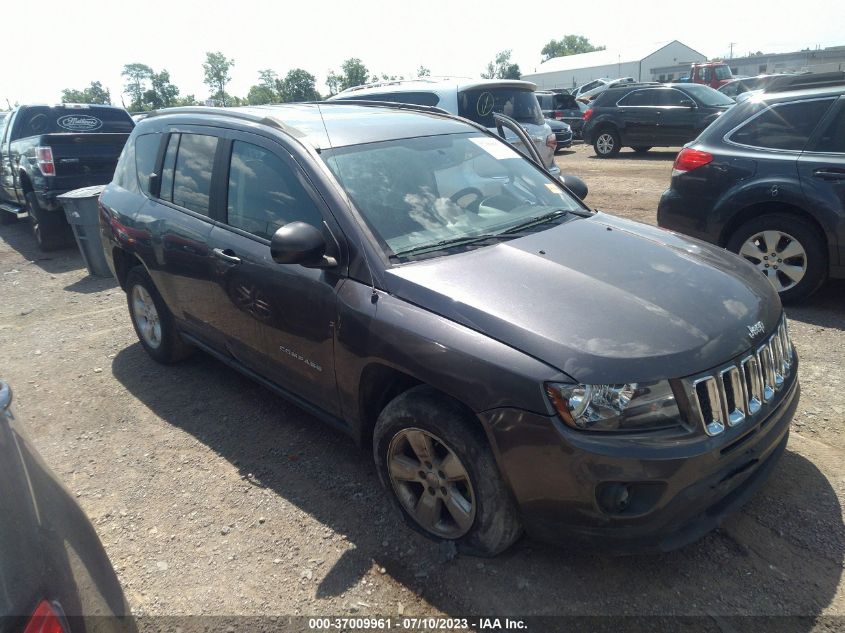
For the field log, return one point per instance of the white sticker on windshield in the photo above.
(496, 149)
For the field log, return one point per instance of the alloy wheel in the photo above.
(431, 483)
(146, 316)
(604, 143)
(779, 256)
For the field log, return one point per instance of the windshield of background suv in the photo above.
(479, 104)
(416, 193)
(706, 96)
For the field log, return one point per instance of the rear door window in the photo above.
(479, 104)
(51, 120)
(832, 138)
(785, 127)
(264, 193)
(192, 172)
(640, 98)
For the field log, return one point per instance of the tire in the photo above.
(607, 143)
(49, 227)
(7, 217)
(491, 524)
(641, 149)
(152, 320)
(750, 238)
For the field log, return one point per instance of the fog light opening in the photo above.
(615, 498)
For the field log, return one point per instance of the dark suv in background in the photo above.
(649, 115)
(513, 359)
(767, 181)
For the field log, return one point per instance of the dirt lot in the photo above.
(213, 496)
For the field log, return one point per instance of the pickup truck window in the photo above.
(192, 176)
(56, 120)
(264, 193)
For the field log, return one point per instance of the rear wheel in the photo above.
(153, 322)
(49, 227)
(440, 473)
(641, 149)
(787, 250)
(606, 143)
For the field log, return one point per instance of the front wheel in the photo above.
(153, 322)
(607, 143)
(787, 250)
(440, 473)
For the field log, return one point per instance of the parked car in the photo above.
(46, 151)
(592, 89)
(476, 100)
(649, 115)
(55, 575)
(514, 359)
(788, 81)
(563, 107)
(714, 74)
(736, 87)
(562, 132)
(767, 181)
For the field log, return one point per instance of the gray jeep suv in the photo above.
(514, 360)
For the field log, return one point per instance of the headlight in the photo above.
(628, 407)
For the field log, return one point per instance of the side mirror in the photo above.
(689, 103)
(300, 243)
(575, 185)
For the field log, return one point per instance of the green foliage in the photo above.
(299, 85)
(94, 93)
(137, 75)
(502, 68)
(422, 71)
(354, 73)
(163, 94)
(568, 45)
(216, 68)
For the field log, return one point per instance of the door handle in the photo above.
(829, 174)
(227, 255)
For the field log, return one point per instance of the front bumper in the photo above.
(564, 139)
(680, 490)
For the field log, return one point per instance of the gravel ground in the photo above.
(213, 496)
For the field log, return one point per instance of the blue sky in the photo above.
(52, 45)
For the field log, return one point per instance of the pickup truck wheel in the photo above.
(440, 473)
(153, 322)
(49, 228)
(607, 143)
(787, 250)
(641, 149)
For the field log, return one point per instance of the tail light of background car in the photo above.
(587, 114)
(557, 114)
(44, 158)
(551, 141)
(689, 159)
(44, 619)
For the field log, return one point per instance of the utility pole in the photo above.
(732, 50)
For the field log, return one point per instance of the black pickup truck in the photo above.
(48, 150)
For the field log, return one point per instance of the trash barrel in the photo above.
(82, 213)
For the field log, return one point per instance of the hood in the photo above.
(602, 299)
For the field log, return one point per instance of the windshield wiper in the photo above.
(454, 241)
(539, 219)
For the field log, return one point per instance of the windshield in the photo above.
(479, 104)
(722, 72)
(416, 193)
(707, 96)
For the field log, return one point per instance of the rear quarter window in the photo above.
(785, 127)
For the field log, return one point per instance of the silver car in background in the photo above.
(473, 99)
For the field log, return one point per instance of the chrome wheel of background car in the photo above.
(604, 143)
(146, 316)
(431, 483)
(777, 255)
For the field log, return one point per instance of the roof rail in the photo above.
(386, 104)
(807, 80)
(432, 79)
(229, 112)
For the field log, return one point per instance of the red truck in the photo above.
(713, 74)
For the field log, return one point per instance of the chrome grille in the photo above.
(736, 392)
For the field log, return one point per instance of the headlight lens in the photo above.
(628, 407)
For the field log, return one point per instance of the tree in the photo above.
(354, 73)
(422, 71)
(137, 76)
(568, 45)
(267, 90)
(94, 93)
(187, 100)
(216, 68)
(299, 85)
(163, 94)
(333, 81)
(502, 68)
